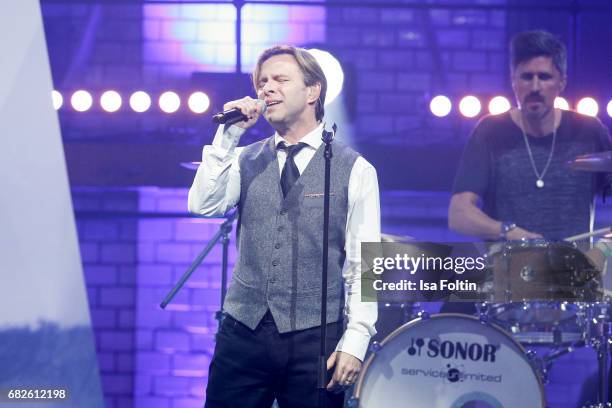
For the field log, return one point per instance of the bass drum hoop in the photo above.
(414, 322)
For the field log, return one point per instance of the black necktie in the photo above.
(290, 171)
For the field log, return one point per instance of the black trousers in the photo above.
(251, 368)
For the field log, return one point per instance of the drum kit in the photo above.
(540, 295)
(454, 360)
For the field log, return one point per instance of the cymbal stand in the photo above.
(600, 340)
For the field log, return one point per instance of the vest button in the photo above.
(280, 228)
(278, 245)
(275, 262)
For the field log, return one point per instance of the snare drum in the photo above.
(537, 278)
(540, 270)
(448, 361)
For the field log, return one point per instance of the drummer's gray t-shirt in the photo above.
(496, 166)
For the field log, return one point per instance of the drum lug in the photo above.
(482, 309)
(484, 318)
(423, 315)
(353, 402)
(375, 347)
(527, 273)
(531, 355)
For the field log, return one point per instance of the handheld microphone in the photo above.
(234, 115)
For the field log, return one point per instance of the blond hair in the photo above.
(310, 68)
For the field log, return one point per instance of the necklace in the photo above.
(540, 177)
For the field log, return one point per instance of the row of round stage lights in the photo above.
(139, 101)
(198, 102)
(470, 106)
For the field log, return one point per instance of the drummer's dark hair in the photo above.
(531, 44)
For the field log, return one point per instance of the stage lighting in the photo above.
(587, 106)
(140, 101)
(57, 99)
(333, 72)
(469, 106)
(198, 102)
(499, 105)
(440, 106)
(169, 102)
(110, 101)
(561, 103)
(609, 108)
(81, 100)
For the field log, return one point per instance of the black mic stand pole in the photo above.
(327, 138)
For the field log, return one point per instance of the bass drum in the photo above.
(448, 361)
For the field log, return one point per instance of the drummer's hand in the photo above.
(346, 371)
(598, 258)
(518, 233)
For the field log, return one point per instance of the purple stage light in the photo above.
(140, 101)
(198, 102)
(81, 100)
(57, 99)
(333, 73)
(498, 105)
(202, 36)
(469, 106)
(561, 103)
(440, 106)
(587, 106)
(169, 102)
(111, 101)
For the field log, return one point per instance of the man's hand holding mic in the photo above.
(243, 112)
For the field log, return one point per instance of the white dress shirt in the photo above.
(216, 189)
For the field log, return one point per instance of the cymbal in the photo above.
(395, 238)
(191, 165)
(594, 162)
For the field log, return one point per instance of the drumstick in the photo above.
(600, 231)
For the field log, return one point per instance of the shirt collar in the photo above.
(312, 139)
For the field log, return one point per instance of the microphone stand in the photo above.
(222, 234)
(327, 138)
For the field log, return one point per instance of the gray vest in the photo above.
(280, 240)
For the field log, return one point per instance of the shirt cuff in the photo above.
(227, 138)
(355, 343)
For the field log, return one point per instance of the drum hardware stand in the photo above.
(222, 234)
(602, 345)
(542, 365)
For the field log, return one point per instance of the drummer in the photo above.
(513, 181)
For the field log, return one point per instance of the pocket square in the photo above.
(317, 195)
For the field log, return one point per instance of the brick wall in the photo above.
(149, 357)
(404, 56)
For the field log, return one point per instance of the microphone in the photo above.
(234, 115)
